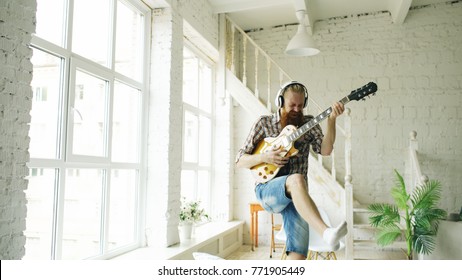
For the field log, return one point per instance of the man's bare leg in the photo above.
(297, 189)
(295, 256)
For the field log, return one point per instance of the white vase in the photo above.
(186, 230)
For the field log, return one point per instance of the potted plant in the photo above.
(190, 213)
(418, 211)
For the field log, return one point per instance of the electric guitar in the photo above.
(264, 172)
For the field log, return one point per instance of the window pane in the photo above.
(205, 141)
(191, 131)
(205, 97)
(50, 21)
(126, 120)
(188, 184)
(128, 45)
(122, 211)
(46, 85)
(190, 79)
(39, 221)
(203, 188)
(90, 38)
(82, 213)
(89, 115)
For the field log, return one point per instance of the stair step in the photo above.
(363, 226)
(379, 255)
(372, 244)
(361, 209)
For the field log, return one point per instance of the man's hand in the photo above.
(275, 156)
(337, 110)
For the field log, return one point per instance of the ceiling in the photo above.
(253, 14)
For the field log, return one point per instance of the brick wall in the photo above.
(199, 14)
(165, 111)
(17, 22)
(418, 69)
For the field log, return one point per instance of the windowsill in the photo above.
(203, 237)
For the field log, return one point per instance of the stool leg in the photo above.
(284, 254)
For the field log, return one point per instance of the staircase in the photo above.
(253, 78)
(360, 243)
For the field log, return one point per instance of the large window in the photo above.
(196, 175)
(86, 130)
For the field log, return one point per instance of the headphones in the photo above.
(279, 101)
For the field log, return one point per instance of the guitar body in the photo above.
(264, 172)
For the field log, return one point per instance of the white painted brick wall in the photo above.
(199, 14)
(17, 22)
(165, 127)
(165, 117)
(418, 69)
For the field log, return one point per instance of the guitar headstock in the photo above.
(363, 91)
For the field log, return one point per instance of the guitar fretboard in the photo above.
(313, 122)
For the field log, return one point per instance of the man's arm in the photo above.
(327, 145)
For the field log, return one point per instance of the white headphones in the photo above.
(279, 101)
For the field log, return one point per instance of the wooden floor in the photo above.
(263, 253)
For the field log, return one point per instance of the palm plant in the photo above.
(418, 211)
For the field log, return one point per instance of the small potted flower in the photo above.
(190, 214)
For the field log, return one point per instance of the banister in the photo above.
(417, 177)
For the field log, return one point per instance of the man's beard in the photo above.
(292, 118)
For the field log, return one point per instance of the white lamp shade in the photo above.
(302, 44)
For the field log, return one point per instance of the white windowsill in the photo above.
(203, 235)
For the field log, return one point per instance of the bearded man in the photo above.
(287, 193)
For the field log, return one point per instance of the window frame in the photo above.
(64, 160)
(198, 112)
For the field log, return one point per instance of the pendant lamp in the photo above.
(301, 44)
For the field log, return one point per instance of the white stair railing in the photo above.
(416, 176)
(263, 76)
(349, 199)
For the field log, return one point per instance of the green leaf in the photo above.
(424, 244)
(399, 193)
(387, 235)
(426, 195)
(383, 214)
(427, 221)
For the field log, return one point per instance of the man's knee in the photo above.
(296, 183)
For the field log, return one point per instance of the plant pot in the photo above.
(186, 231)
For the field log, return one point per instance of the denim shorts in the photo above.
(272, 197)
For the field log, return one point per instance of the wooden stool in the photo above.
(274, 244)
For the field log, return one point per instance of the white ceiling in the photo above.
(251, 14)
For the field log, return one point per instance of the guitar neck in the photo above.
(313, 122)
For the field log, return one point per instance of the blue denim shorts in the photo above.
(272, 197)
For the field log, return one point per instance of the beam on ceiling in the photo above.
(154, 4)
(243, 5)
(399, 10)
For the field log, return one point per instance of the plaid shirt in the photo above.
(270, 126)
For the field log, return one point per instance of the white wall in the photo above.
(418, 69)
(17, 23)
(194, 20)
